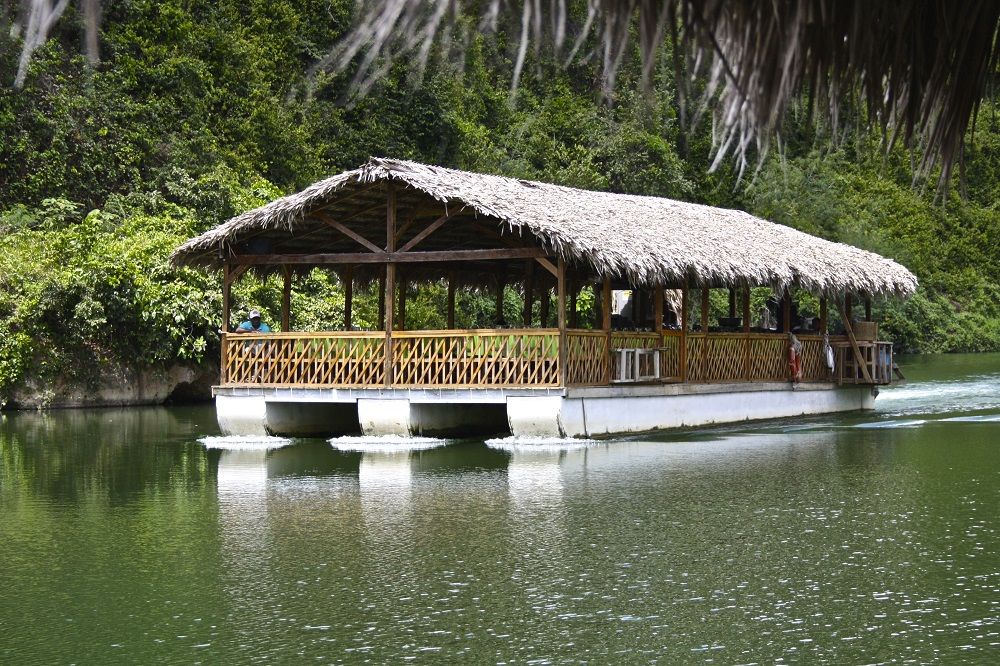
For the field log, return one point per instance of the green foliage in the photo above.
(202, 110)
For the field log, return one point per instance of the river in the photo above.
(848, 539)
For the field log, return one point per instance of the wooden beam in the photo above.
(868, 308)
(549, 266)
(348, 298)
(286, 299)
(350, 233)
(498, 312)
(543, 308)
(451, 299)
(823, 315)
(387, 257)
(431, 228)
(561, 294)
(732, 303)
(858, 358)
(390, 278)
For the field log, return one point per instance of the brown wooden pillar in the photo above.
(348, 298)
(786, 312)
(868, 308)
(390, 278)
(451, 299)
(574, 289)
(704, 309)
(848, 307)
(685, 307)
(381, 298)
(286, 299)
(561, 296)
(658, 311)
(606, 326)
(823, 315)
(401, 312)
(529, 292)
(732, 303)
(543, 308)
(746, 308)
(226, 291)
(498, 317)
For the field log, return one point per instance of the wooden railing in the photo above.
(476, 358)
(531, 358)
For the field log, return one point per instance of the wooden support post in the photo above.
(786, 312)
(858, 358)
(684, 328)
(390, 278)
(226, 290)
(574, 288)
(823, 315)
(543, 308)
(732, 303)
(561, 296)
(658, 312)
(498, 309)
(704, 308)
(286, 299)
(451, 299)
(381, 300)
(746, 332)
(746, 309)
(606, 327)
(529, 292)
(227, 283)
(868, 308)
(401, 313)
(848, 307)
(348, 298)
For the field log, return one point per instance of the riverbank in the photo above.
(118, 386)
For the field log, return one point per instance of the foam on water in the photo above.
(912, 423)
(386, 443)
(540, 443)
(982, 418)
(245, 442)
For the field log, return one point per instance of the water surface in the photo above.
(850, 539)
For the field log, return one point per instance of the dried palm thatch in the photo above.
(920, 68)
(646, 240)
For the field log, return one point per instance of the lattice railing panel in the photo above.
(476, 358)
(290, 359)
(587, 358)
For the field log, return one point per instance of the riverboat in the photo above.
(670, 362)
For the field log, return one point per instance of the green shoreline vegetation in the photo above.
(200, 111)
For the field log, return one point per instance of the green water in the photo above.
(849, 539)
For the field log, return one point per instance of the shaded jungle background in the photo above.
(200, 111)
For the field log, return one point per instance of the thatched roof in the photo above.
(646, 240)
(921, 68)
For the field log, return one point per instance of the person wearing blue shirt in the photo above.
(253, 324)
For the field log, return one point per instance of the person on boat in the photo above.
(253, 324)
(794, 358)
